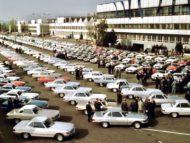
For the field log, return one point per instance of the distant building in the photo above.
(71, 27)
(148, 22)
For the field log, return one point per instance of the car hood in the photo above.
(62, 126)
(30, 94)
(85, 89)
(39, 103)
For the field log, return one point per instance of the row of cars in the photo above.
(81, 97)
(31, 115)
(164, 98)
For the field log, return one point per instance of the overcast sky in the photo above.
(25, 9)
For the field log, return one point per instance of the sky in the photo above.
(32, 9)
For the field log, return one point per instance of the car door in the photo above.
(68, 89)
(25, 114)
(138, 91)
(159, 99)
(118, 119)
(39, 130)
(81, 97)
(184, 109)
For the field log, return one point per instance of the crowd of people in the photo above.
(169, 84)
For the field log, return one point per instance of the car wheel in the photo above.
(105, 124)
(59, 137)
(90, 80)
(61, 95)
(101, 84)
(85, 112)
(114, 90)
(17, 121)
(130, 96)
(26, 136)
(73, 102)
(137, 125)
(174, 115)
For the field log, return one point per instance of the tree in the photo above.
(101, 29)
(12, 25)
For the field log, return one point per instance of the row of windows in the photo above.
(69, 27)
(156, 38)
(151, 26)
(163, 11)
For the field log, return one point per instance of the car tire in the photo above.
(59, 137)
(90, 80)
(85, 112)
(101, 84)
(137, 125)
(130, 96)
(16, 121)
(174, 115)
(105, 124)
(26, 136)
(61, 95)
(72, 102)
(115, 90)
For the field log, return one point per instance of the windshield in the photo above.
(48, 123)
(36, 109)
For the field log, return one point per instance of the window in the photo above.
(27, 111)
(68, 87)
(109, 114)
(116, 114)
(38, 125)
(139, 89)
(185, 105)
(80, 95)
(159, 97)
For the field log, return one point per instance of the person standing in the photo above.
(187, 96)
(89, 111)
(16, 102)
(124, 106)
(140, 105)
(10, 104)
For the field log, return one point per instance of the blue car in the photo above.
(8, 87)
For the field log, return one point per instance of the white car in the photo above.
(133, 68)
(160, 98)
(159, 65)
(59, 83)
(44, 127)
(171, 60)
(115, 85)
(70, 88)
(16, 92)
(122, 66)
(138, 91)
(79, 96)
(39, 70)
(160, 58)
(92, 75)
(180, 107)
(159, 74)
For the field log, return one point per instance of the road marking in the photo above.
(170, 132)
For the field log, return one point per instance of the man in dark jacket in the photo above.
(124, 106)
(89, 111)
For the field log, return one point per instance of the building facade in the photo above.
(148, 22)
(71, 27)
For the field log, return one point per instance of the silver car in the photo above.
(115, 116)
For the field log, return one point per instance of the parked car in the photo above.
(79, 96)
(138, 91)
(114, 86)
(133, 68)
(115, 116)
(28, 112)
(16, 92)
(58, 83)
(179, 108)
(70, 88)
(44, 127)
(92, 75)
(103, 81)
(160, 98)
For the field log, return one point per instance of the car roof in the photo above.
(28, 107)
(114, 109)
(39, 119)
